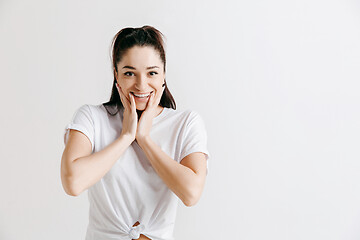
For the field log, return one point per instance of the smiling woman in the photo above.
(143, 81)
(133, 40)
(136, 154)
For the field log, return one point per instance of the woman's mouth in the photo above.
(141, 96)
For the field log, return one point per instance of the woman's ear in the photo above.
(115, 74)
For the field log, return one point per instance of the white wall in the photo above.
(277, 83)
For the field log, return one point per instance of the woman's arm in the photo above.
(185, 179)
(80, 169)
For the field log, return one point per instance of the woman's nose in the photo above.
(141, 82)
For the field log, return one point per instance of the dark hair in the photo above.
(127, 38)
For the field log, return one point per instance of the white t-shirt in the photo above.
(132, 191)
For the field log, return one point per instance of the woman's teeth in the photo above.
(141, 95)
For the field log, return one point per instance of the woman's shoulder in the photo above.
(97, 110)
(183, 114)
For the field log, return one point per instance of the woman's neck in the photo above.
(139, 112)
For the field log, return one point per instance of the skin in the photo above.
(138, 114)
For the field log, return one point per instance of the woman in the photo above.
(136, 154)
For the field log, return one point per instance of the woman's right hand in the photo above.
(130, 120)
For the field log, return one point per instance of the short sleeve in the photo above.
(82, 121)
(195, 137)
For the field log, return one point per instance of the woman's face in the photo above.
(140, 72)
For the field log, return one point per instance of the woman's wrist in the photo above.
(127, 137)
(143, 139)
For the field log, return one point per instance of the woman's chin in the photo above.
(140, 108)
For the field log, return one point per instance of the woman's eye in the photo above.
(130, 73)
(126, 74)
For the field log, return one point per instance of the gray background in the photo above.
(277, 83)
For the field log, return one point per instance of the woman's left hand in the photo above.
(145, 121)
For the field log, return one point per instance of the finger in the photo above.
(132, 102)
(124, 100)
(157, 97)
(150, 103)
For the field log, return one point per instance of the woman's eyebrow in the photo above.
(130, 67)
